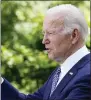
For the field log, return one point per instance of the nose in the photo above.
(43, 41)
(44, 38)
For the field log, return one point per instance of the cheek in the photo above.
(60, 43)
(63, 45)
(57, 45)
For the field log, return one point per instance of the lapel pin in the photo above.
(70, 73)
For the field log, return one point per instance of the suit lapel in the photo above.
(47, 90)
(69, 76)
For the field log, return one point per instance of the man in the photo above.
(65, 30)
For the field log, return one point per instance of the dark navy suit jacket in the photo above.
(72, 87)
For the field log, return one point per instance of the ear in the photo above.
(75, 36)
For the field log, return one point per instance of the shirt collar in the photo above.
(73, 59)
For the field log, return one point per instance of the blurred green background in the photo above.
(24, 62)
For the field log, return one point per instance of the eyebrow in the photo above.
(43, 32)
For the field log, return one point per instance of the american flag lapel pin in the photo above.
(71, 73)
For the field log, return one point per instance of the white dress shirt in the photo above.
(2, 80)
(71, 61)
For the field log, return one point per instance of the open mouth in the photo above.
(48, 50)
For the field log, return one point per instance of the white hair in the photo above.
(73, 18)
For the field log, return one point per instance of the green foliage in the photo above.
(24, 62)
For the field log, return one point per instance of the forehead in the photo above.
(53, 21)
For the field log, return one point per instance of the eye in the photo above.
(50, 33)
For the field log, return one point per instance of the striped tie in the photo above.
(55, 80)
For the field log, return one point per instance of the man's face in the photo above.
(56, 42)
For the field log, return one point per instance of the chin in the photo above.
(50, 56)
(59, 60)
